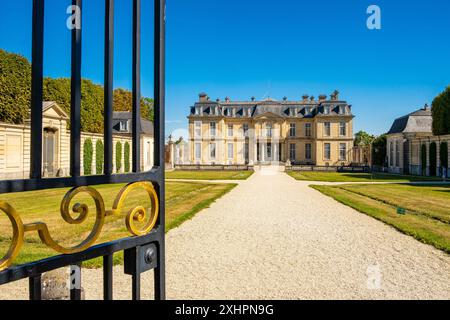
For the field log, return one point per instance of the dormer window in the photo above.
(326, 110)
(123, 125)
(342, 110)
(197, 111)
(308, 110)
(292, 112)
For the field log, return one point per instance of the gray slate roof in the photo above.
(146, 125)
(419, 121)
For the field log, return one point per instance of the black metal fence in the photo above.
(143, 252)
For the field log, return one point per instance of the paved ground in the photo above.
(275, 238)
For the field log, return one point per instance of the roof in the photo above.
(146, 125)
(419, 121)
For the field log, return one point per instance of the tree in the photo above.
(118, 156)
(15, 87)
(443, 154)
(379, 150)
(423, 158)
(99, 157)
(88, 152)
(441, 113)
(126, 155)
(362, 138)
(433, 159)
(15, 95)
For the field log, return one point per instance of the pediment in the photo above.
(268, 115)
(53, 110)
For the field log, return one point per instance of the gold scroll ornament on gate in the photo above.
(135, 215)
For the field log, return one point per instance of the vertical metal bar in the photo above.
(35, 289)
(108, 89)
(108, 277)
(75, 282)
(159, 94)
(36, 89)
(75, 102)
(136, 85)
(136, 278)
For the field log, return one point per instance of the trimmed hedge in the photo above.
(433, 159)
(443, 154)
(118, 156)
(126, 154)
(88, 152)
(423, 157)
(441, 113)
(99, 157)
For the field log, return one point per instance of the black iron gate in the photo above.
(145, 249)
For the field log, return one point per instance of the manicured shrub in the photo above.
(126, 155)
(443, 154)
(99, 157)
(433, 159)
(88, 152)
(118, 156)
(423, 158)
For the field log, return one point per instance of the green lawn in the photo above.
(209, 175)
(355, 177)
(427, 215)
(183, 201)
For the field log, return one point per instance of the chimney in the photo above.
(253, 98)
(227, 99)
(203, 97)
(311, 98)
(284, 98)
(322, 97)
(305, 97)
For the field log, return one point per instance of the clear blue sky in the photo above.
(244, 48)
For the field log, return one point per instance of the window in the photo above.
(245, 129)
(308, 110)
(123, 125)
(149, 153)
(397, 153)
(342, 129)
(197, 111)
(198, 129)
(327, 129)
(212, 129)
(292, 112)
(308, 130)
(292, 151)
(230, 151)
(292, 130)
(269, 130)
(327, 151)
(308, 151)
(198, 150)
(342, 151)
(326, 110)
(342, 110)
(212, 150)
(230, 130)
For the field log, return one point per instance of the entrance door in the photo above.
(49, 151)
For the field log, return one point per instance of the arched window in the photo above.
(433, 159)
(423, 159)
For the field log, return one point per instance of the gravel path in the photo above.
(273, 237)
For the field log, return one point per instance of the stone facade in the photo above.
(308, 131)
(15, 146)
(405, 140)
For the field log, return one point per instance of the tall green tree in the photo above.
(99, 157)
(441, 113)
(88, 152)
(379, 150)
(362, 138)
(15, 87)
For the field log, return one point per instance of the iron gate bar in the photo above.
(136, 92)
(156, 237)
(159, 97)
(36, 89)
(75, 99)
(108, 86)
